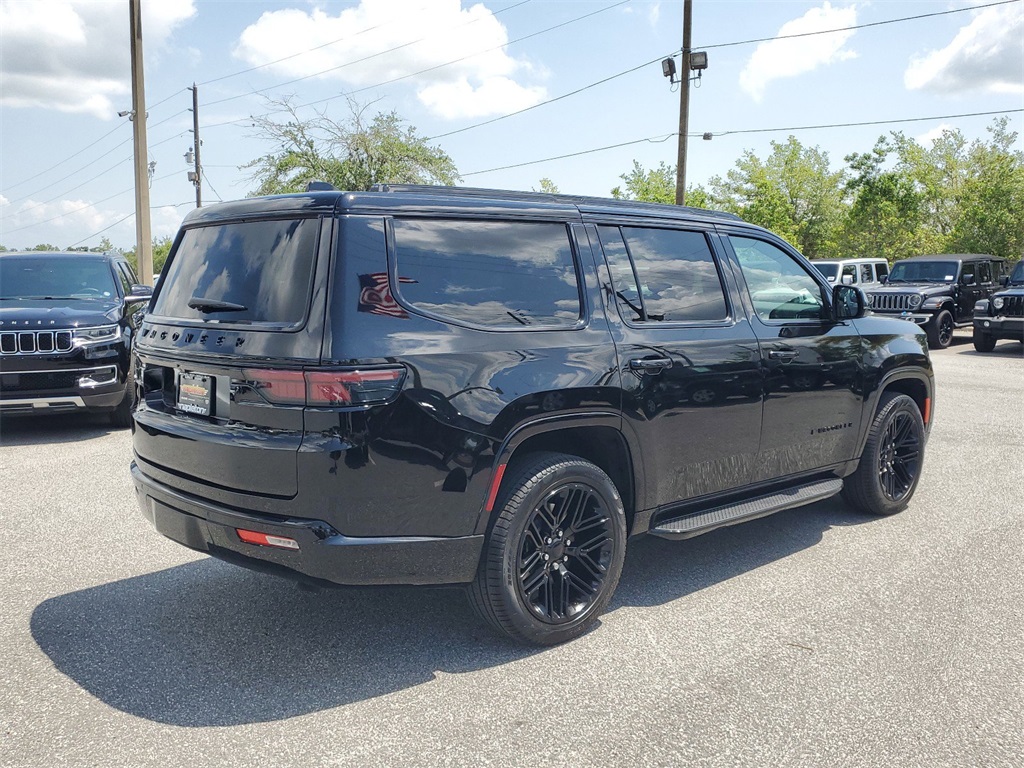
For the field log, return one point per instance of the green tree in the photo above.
(547, 186)
(161, 249)
(44, 247)
(887, 215)
(351, 155)
(657, 185)
(793, 192)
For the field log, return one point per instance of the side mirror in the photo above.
(883, 279)
(1004, 280)
(139, 294)
(848, 303)
(967, 278)
(847, 279)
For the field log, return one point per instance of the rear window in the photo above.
(495, 274)
(247, 272)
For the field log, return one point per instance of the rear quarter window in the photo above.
(264, 267)
(494, 274)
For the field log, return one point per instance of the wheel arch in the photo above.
(597, 438)
(917, 385)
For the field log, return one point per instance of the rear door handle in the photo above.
(785, 355)
(650, 364)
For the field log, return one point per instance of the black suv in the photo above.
(938, 292)
(424, 385)
(67, 321)
(1001, 316)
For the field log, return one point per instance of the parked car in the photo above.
(417, 385)
(67, 323)
(864, 273)
(938, 292)
(1001, 316)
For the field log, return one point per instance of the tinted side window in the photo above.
(778, 285)
(984, 275)
(664, 275)
(881, 270)
(123, 275)
(262, 271)
(490, 273)
(849, 271)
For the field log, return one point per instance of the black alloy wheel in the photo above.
(890, 465)
(565, 553)
(940, 331)
(555, 550)
(899, 457)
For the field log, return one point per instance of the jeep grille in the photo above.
(35, 342)
(1013, 306)
(887, 302)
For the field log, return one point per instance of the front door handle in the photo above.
(650, 364)
(785, 355)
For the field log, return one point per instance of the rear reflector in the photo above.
(266, 540)
(319, 388)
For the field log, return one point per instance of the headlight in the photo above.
(998, 302)
(97, 334)
(915, 300)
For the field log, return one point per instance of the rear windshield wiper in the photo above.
(213, 305)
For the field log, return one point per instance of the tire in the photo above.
(537, 583)
(121, 417)
(984, 342)
(890, 464)
(940, 330)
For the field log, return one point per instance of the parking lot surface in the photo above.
(814, 637)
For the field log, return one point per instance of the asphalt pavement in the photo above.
(816, 637)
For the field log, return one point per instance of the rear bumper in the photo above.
(324, 554)
(1001, 327)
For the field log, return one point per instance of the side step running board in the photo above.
(697, 523)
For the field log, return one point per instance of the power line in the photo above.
(857, 26)
(660, 139)
(66, 159)
(125, 218)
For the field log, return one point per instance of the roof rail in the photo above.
(558, 197)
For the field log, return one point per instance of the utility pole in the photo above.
(684, 104)
(196, 176)
(143, 230)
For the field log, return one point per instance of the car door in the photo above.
(973, 277)
(812, 377)
(689, 361)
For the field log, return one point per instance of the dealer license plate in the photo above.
(194, 393)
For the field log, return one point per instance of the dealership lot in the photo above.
(814, 637)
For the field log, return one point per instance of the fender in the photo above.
(897, 374)
(554, 423)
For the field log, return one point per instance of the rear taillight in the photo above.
(319, 388)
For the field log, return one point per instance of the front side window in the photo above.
(865, 273)
(243, 272)
(663, 275)
(881, 270)
(496, 274)
(984, 273)
(779, 287)
(849, 274)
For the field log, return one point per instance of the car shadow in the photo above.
(54, 428)
(1003, 349)
(209, 644)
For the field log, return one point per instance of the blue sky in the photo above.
(66, 172)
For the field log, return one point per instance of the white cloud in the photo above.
(926, 138)
(73, 55)
(777, 59)
(60, 221)
(986, 54)
(414, 37)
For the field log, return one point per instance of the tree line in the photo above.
(897, 200)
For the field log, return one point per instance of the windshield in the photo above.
(923, 272)
(56, 277)
(828, 270)
(1017, 278)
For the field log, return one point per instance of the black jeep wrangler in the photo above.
(67, 321)
(1001, 316)
(417, 385)
(938, 292)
